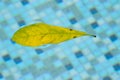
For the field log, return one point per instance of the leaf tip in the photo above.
(94, 35)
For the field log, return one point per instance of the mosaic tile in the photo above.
(107, 78)
(17, 60)
(113, 38)
(24, 2)
(1, 76)
(68, 66)
(84, 58)
(108, 56)
(21, 23)
(6, 58)
(4, 35)
(93, 11)
(39, 51)
(94, 25)
(59, 1)
(78, 54)
(117, 67)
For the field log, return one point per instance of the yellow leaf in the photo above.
(41, 33)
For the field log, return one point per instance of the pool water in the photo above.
(84, 58)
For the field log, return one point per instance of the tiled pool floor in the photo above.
(84, 58)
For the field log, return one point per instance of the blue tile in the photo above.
(70, 79)
(93, 11)
(13, 42)
(59, 1)
(17, 60)
(94, 25)
(6, 57)
(113, 38)
(108, 56)
(73, 21)
(107, 78)
(1, 76)
(68, 66)
(21, 23)
(103, 1)
(39, 51)
(24, 2)
(78, 54)
(116, 67)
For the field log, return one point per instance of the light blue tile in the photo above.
(47, 76)
(57, 63)
(65, 75)
(28, 77)
(77, 77)
(40, 64)
(96, 48)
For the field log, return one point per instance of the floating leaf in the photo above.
(41, 33)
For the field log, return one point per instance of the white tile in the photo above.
(91, 20)
(84, 75)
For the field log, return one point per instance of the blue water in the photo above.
(84, 58)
